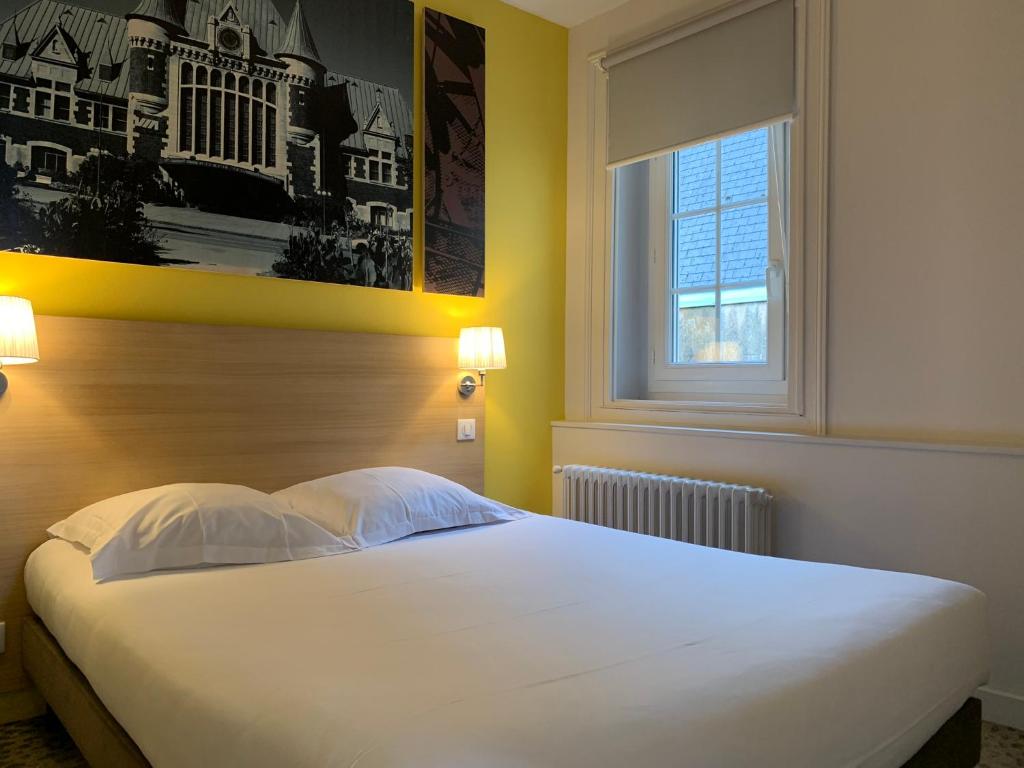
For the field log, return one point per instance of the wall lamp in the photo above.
(480, 350)
(18, 344)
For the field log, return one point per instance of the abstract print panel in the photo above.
(454, 176)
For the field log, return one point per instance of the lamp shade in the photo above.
(481, 349)
(18, 343)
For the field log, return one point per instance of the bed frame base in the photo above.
(98, 736)
(105, 744)
(957, 744)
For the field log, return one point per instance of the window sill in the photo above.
(768, 416)
(983, 449)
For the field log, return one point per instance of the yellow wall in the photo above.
(526, 149)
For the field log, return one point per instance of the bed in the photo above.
(534, 643)
(540, 642)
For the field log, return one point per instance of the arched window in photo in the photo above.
(185, 113)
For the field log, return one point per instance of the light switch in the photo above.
(467, 430)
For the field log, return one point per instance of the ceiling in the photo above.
(568, 13)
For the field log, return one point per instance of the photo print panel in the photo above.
(256, 137)
(454, 152)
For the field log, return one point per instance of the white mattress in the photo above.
(540, 642)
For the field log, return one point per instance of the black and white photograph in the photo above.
(255, 137)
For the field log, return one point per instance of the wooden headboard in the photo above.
(116, 406)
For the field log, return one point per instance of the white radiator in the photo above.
(719, 515)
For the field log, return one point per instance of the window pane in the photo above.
(745, 244)
(185, 121)
(271, 160)
(696, 332)
(695, 250)
(744, 332)
(215, 121)
(243, 126)
(745, 166)
(695, 178)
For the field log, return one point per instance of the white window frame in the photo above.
(801, 405)
(669, 380)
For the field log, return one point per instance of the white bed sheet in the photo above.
(540, 642)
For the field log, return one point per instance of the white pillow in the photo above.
(367, 507)
(190, 524)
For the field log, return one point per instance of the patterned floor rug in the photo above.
(43, 743)
(40, 742)
(1001, 747)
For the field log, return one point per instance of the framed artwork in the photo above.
(259, 137)
(454, 53)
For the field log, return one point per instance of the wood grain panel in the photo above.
(117, 405)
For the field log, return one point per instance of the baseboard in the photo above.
(21, 705)
(1002, 707)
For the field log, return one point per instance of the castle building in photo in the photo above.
(232, 101)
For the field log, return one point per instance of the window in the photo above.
(702, 307)
(257, 131)
(230, 112)
(5, 96)
(42, 104)
(218, 118)
(726, 204)
(21, 99)
(52, 100)
(62, 108)
(49, 161)
(243, 125)
(216, 129)
(716, 227)
(101, 116)
(271, 130)
(374, 170)
(150, 62)
(55, 162)
(202, 116)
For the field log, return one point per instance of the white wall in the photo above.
(927, 257)
(926, 275)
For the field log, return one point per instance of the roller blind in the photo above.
(701, 80)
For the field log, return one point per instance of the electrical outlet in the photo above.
(3, 636)
(467, 430)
